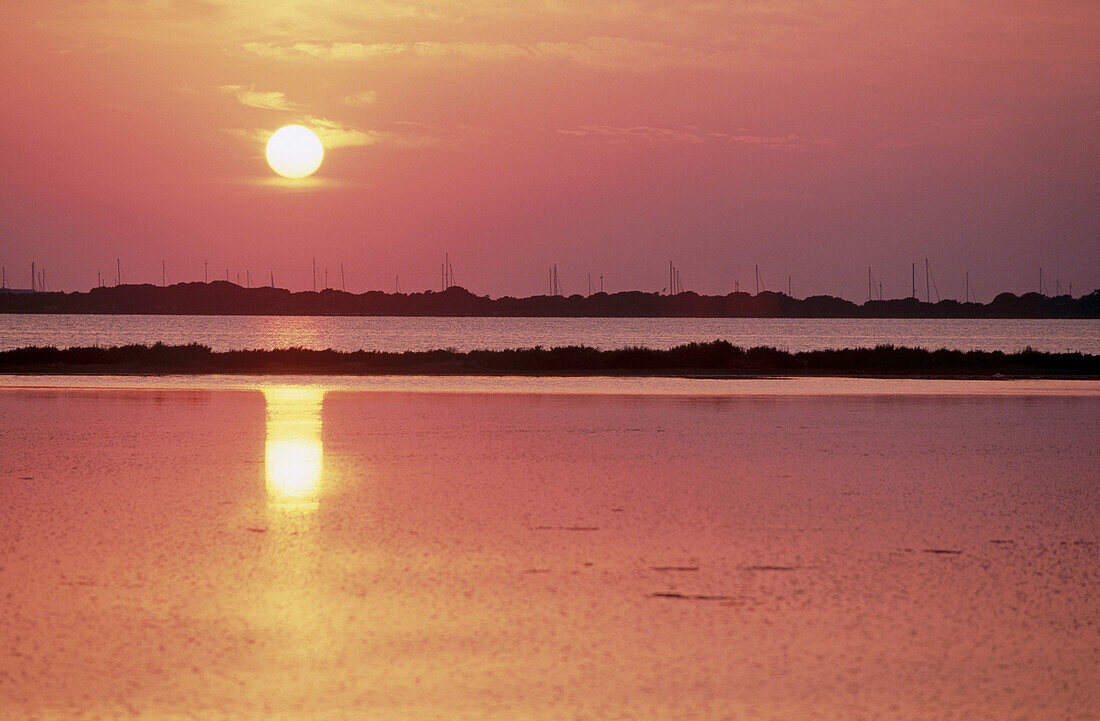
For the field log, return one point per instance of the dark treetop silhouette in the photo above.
(224, 298)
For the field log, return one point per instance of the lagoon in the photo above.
(351, 333)
(548, 548)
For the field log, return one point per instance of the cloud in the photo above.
(324, 51)
(790, 141)
(361, 100)
(350, 52)
(647, 133)
(332, 134)
(335, 134)
(598, 52)
(630, 54)
(263, 99)
(257, 135)
(693, 136)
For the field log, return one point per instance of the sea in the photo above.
(380, 333)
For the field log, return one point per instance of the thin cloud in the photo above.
(791, 141)
(599, 52)
(361, 100)
(692, 136)
(324, 51)
(628, 54)
(645, 133)
(258, 135)
(263, 99)
(335, 134)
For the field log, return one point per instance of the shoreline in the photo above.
(776, 387)
(226, 298)
(713, 360)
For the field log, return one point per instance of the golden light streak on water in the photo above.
(293, 451)
(286, 599)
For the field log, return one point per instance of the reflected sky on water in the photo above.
(350, 333)
(318, 552)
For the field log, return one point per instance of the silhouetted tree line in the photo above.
(715, 358)
(224, 298)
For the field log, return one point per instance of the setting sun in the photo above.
(294, 151)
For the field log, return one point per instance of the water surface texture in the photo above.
(295, 552)
(415, 333)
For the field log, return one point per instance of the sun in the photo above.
(294, 151)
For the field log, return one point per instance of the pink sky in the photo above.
(811, 138)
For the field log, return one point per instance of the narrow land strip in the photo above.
(717, 358)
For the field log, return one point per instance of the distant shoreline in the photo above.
(717, 359)
(225, 298)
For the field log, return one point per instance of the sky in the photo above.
(811, 139)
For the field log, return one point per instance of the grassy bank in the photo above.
(717, 358)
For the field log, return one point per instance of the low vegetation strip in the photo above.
(717, 358)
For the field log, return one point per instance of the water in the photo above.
(413, 333)
(818, 549)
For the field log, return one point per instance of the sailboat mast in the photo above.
(927, 288)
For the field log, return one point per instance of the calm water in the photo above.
(180, 548)
(404, 333)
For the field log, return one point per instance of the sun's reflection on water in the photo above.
(293, 453)
(287, 599)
